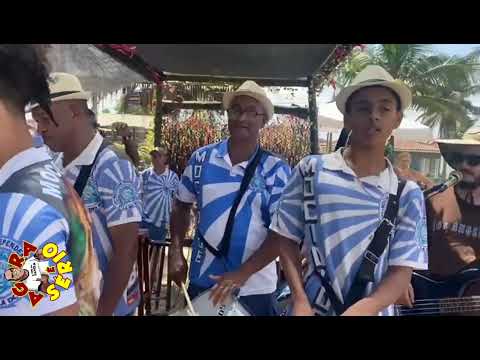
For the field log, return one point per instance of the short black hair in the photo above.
(395, 95)
(24, 77)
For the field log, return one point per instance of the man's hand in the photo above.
(123, 130)
(226, 285)
(177, 265)
(407, 298)
(364, 307)
(302, 308)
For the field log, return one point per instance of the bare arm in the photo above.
(394, 284)
(179, 223)
(124, 255)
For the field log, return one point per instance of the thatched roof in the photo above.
(97, 71)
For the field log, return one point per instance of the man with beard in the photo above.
(454, 216)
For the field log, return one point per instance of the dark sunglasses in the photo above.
(459, 158)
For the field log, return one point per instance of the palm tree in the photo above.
(440, 84)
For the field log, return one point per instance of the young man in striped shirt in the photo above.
(335, 219)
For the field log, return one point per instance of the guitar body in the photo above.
(458, 294)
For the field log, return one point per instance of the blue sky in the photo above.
(455, 49)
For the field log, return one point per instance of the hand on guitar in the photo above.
(177, 265)
(226, 284)
(407, 298)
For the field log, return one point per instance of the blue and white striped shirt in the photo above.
(26, 218)
(218, 183)
(112, 198)
(348, 211)
(158, 192)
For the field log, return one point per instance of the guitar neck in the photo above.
(441, 306)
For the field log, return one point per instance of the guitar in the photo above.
(457, 294)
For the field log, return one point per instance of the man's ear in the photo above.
(399, 119)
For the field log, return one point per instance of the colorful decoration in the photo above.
(326, 75)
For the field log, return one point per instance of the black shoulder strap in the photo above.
(225, 242)
(86, 170)
(249, 171)
(376, 248)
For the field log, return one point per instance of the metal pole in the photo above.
(313, 117)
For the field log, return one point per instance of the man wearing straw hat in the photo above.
(454, 215)
(337, 206)
(107, 184)
(236, 186)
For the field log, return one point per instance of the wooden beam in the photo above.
(236, 79)
(312, 115)
(158, 120)
(217, 106)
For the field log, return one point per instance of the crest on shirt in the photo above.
(125, 196)
(90, 195)
(258, 184)
(34, 273)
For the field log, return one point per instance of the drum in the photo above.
(203, 306)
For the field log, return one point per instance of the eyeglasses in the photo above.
(236, 112)
(459, 158)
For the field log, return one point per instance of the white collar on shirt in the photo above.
(162, 174)
(22, 160)
(87, 156)
(387, 179)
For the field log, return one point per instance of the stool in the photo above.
(158, 250)
(143, 274)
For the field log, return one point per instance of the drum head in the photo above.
(203, 306)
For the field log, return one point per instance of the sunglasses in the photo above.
(459, 158)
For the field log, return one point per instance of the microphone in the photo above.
(453, 179)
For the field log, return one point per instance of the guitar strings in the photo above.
(437, 312)
(448, 307)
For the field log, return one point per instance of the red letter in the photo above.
(15, 260)
(34, 298)
(28, 248)
(20, 289)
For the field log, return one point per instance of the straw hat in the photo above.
(374, 75)
(252, 89)
(65, 86)
(470, 142)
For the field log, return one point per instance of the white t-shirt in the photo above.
(36, 269)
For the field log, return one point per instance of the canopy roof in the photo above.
(273, 61)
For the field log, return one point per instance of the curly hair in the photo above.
(24, 77)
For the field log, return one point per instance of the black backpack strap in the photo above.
(249, 171)
(224, 245)
(86, 170)
(375, 250)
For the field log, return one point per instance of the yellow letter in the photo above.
(64, 267)
(53, 292)
(50, 250)
(62, 282)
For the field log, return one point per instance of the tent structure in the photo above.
(304, 65)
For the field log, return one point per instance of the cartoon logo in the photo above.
(29, 273)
